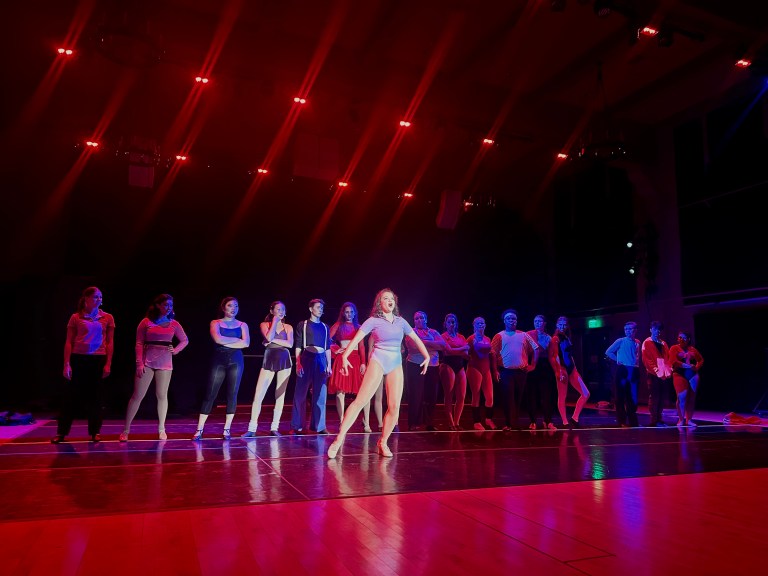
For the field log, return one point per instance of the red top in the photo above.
(90, 333)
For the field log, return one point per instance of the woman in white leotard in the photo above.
(387, 329)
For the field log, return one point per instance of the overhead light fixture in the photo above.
(487, 141)
(262, 170)
(181, 157)
(65, 51)
(562, 156)
(343, 184)
(647, 31)
(405, 123)
(743, 63)
(601, 141)
(299, 100)
(92, 144)
(201, 79)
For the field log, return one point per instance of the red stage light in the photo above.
(647, 31)
(180, 157)
(407, 195)
(262, 170)
(65, 51)
(201, 79)
(487, 141)
(562, 156)
(299, 100)
(744, 63)
(343, 184)
(405, 123)
(92, 144)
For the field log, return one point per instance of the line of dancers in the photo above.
(529, 367)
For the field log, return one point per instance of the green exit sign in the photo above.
(594, 323)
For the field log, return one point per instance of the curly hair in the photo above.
(376, 311)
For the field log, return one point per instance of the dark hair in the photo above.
(445, 320)
(508, 311)
(153, 312)
(376, 311)
(657, 324)
(227, 300)
(686, 334)
(341, 318)
(90, 291)
(567, 331)
(269, 316)
(631, 323)
(543, 319)
(316, 301)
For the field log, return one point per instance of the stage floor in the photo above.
(78, 481)
(145, 474)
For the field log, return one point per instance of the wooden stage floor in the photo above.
(597, 500)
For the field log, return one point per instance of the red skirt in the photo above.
(349, 383)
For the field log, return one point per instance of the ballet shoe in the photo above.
(333, 449)
(384, 449)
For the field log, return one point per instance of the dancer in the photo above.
(561, 359)
(230, 336)
(686, 362)
(313, 366)
(513, 352)
(387, 329)
(87, 362)
(278, 339)
(479, 374)
(342, 332)
(541, 380)
(154, 360)
(422, 386)
(452, 372)
(655, 354)
(626, 353)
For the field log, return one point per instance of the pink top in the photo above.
(90, 332)
(157, 357)
(341, 331)
(454, 342)
(479, 358)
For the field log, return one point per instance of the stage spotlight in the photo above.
(299, 100)
(632, 270)
(180, 157)
(648, 31)
(405, 123)
(743, 63)
(603, 8)
(92, 144)
(629, 244)
(201, 79)
(262, 171)
(407, 195)
(343, 184)
(487, 141)
(562, 156)
(65, 51)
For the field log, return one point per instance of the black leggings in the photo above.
(226, 362)
(86, 388)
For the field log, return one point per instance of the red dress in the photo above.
(344, 332)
